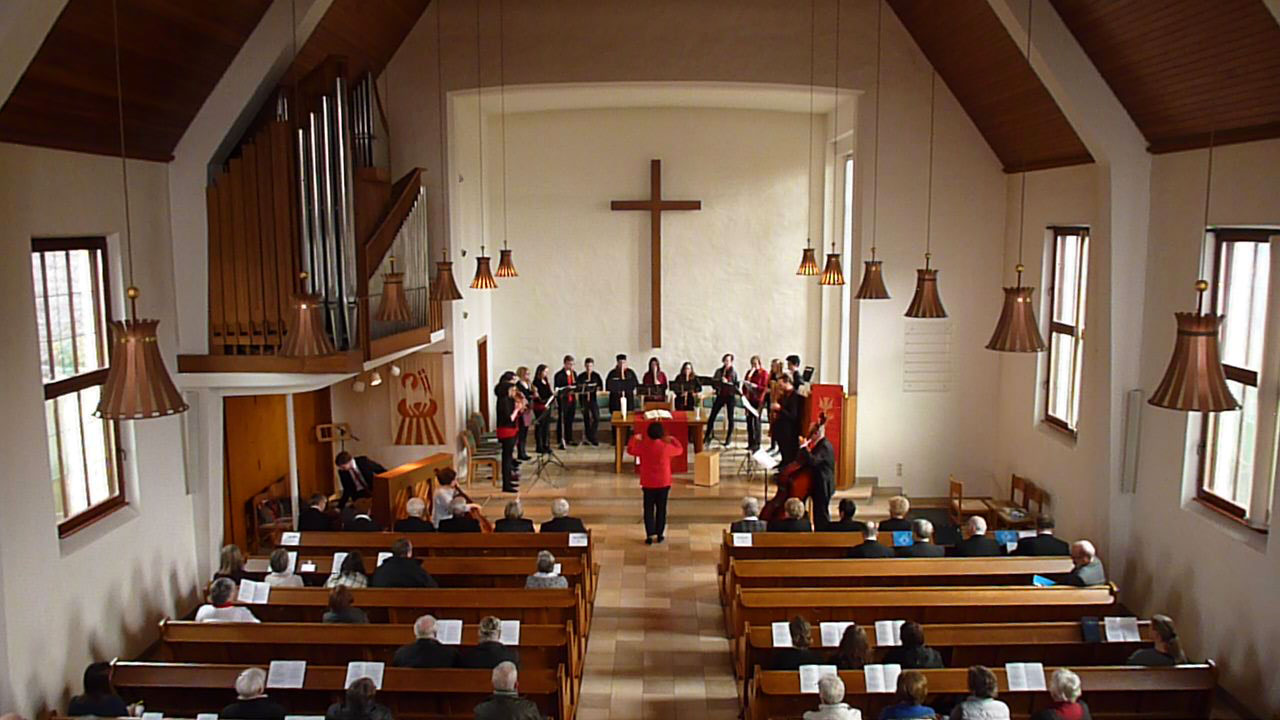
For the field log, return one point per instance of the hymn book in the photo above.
(286, 673)
(253, 593)
(889, 632)
(811, 674)
(782, 634)
(510, 632)
(206, 716)
(382, 556)
(881, 678)
(1122, 629)
(338, 557)
(371, 670)
(1025, 676)
(449, 632)
(832, 632)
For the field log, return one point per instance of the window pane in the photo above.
(1060, 375)
(70, 318)
(1231, 446)
(82, 452)
(848, 199)
(1242, 300)
(72, 453)
(1066, 276)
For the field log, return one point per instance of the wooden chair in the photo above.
(959, 508)
(269, 512)
(476, 460)
(1014, 512)
(484, 439)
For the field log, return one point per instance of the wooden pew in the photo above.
(779, 546)
(1185, 691)
(925, 605)
(452, 572)
(184, 690)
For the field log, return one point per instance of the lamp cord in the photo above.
(124, 162)
(928, 222)
(444, 180)
(875, 184)
(502, 100)
(835, 134)
(480, 126)
(1022, 217)
(808, 178)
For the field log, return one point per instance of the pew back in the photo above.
(453, 572)
(890, 572)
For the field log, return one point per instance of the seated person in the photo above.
(899, 506)
(560, 519)
(913, 688)
(99, 697)
(794, 520)
(546, 576)
(513, 520)
(460, 521)
(854, 651)
(848, 508)
(415, 508)
(871, 546)
(341, 609)
(281, 575)
(252, 702)
(350, 573)
(401, 570)
(1043, 543)
(426, 651)
(800, 652)
(1064, 688)
(361, 520)
(314, 517)
(1088, 568)
(831, 704)
(359, 704)
(222, 607)
(1167, 649)
(976, 542)
(506, 703)
(488, 650)
(231, 564)
(913, 654)
(981, 703)
(922, 544)
(750, 522)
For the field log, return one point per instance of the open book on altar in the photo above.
(657, 414)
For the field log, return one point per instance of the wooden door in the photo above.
(482, 365)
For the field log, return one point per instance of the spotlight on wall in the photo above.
(375, 379)
(358, 385)
(395, 370)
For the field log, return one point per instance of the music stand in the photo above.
(655, 393)
(548, 455)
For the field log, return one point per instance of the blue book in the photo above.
(1042, 581)
(1004, 537)
(903, 538)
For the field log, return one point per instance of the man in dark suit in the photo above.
(488, 650)
(787, 420)
(750, 522)
(819, 456)
(401, 570)
(590, 408)
(846, 523)
(416, 507)
(356, 474)
(361, 520)
(922, 542)
(564, 381)
(560, 520)
(795, 521)
(871, 547)
(797, 372)
(513, 520)
(1043, 543)
(314, 518)
(977, 544)
(460, 521)
(426, 651)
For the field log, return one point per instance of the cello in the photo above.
(794, 481)
(486, 525)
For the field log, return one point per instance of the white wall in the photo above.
(370, 415)
(99, 593)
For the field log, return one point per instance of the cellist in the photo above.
(817, 454)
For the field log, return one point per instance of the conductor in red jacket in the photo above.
(655, 453)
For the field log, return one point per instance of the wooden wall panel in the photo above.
(315, 459)
(215, 267)
(256, 454)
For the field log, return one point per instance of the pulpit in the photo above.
(393, 488)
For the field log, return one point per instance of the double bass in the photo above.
(486, 525)
(794, 481)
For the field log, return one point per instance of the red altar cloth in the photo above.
(677, 428)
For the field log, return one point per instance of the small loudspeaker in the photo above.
(1132, 435)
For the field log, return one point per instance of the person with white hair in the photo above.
(252, 702)
(750, 522)
(831, 704)
(425, 651)
(560, 520)
(976, 543)
(415, 508)
(221, 606)
(899, 506)
(488, 650)
(1088, 568)
(546, 576)
(793, 520)
(281, 574)
(513, 519)
(1064, 688)
(460, 520)
(506, 703)
(871, 547)
(922, 544)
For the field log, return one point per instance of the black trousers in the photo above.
(721, 402)
(590, 421)
(655, 511)
(753, 430)
(565, 429)
(821, 507)
(510, 481)
(521, 440)
(542, 435)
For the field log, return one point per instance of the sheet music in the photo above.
(308, 566)
(1122, 629)
(832, 632)
(293, 562)
(510, 632)
(889, 632)
(742, 539)
(782, 634)
(338, 557)
(556, 570)
(253, 593)
(371, 670)
(881, 678)
(286, 673)
(578, 539)
(291, 538)
(382, 556)
(1025, 676)
(764, 459)
(449, 632)
(811, 674)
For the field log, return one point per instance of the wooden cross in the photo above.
(655, 206)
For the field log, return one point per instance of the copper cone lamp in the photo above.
(484, 276)
(872, 287)
(832, 273)
(138, 385)
(926, 303)
(808, 263)
(506, 266)
(394, 306)
(1195, 381)
(1017, 330)
(444, 288)
(307, 336)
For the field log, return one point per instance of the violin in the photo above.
(794, 481)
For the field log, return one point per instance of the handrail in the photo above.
(376, 246)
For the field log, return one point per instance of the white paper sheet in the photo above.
(308, 566)
(556, 569)
(742, 539)
(371, 670)
(206, 716)
(889, 632)
(449, 632)
(881, 678)
(338, 557)
(293, 562)
(832, 632)
(303, 717)
(291, 538)
(1122, 629)
(782, 634)
(152, 716)
(1025, 676)
(252, 592)
(578, 539)
(1026, 534)
(764, 459)
(1009, 547)
(811, 674)
(286, 673)
(382, 556)
(510, 632)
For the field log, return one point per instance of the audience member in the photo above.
(461, 520)
(1064, 688)
(913, 687)
(442, 505)
(1088, 568)
(831, 704)
(976, 542)
(848, 508)
(794, 520)
(922, 544)
(513, 520)
(281, 574)
(231, 564)
(561, 521)
(981, 703)
(314, 518)
(488, 650)
(899, 506)
(425, 651)
(505, 703)
(99, 697)
(416, 507)
(546, 576)
(341, 609)
(1167, 649)
(350, 573)
(401, 570)
(361, 520)
(854, 651)
(800, 652)
(1043, 543)
(871, 546)
(252, 702)
(221, 607)
(359, 704)
(750, 522)
(913, 654)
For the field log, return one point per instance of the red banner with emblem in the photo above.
(828, 400)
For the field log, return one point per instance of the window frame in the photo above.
(85, 380)
(1075, 332)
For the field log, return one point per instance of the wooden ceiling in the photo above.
(171, 56)
(366, 32)
(1184, 68)
(988, 73)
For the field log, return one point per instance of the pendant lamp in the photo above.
(394, 306)
(927, 303)
(833, 271)
(444, 289)
(809, 263)
(307, 336)
(484, 277)
(138, 385)
(506, 266)
(872, 286)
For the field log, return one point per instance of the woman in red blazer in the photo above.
(655, 452)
